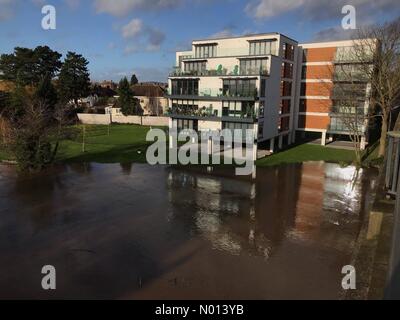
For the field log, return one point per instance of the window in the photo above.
(240, 87)
(261, 110)
(238, 109)
(185, 87)
(287, 70)
(304, 72)
(183, 124)
(195, 67)
(184, 107)
(286, 88)
(305, 53)
(288, 51)
(263, 87)
(303, 89)
(263, 47)
(283, 124)
(253, 66)
(303, 105)
(261, 129)
(239, 126)
(206, 51)
(285, 106)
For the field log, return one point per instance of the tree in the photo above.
(134, 80)
(74, 79)
(350, 113)
(29, 66)
(46, 92)
(47, 62)
(384, 41)
(127, 102)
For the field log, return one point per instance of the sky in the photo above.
(124, 37)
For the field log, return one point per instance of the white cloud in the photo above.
(132, 29)
(317, 10)
(145, 38)
(124, 7)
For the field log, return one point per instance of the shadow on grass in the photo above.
(114, 154)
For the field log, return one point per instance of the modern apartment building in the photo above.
(326, 71)
(236, 83)
(267, 83)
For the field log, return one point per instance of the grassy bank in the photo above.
(117, 144)
(127, 143)
(307, 152)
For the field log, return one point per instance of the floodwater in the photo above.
(142, 232)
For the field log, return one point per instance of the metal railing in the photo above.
(393, 184)
(392, 162)
(215, 93)
(177, 72)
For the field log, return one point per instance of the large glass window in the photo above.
(195, 67)
(253, 66)
(238, 109)
(263, 47)
(206, 51)
(185, 87)
(240, 87)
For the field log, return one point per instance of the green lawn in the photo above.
(126, 143)
(307, 152)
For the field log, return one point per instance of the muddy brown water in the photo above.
(142, 232)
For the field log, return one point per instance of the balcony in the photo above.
(247, 115)
(212, 94)
(222, 72)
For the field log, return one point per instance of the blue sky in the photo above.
(121, 37)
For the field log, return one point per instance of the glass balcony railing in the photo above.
(177, 72)
(248, 113)
(215, 93)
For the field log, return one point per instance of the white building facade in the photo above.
(237, 83)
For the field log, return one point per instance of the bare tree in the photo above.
(381, 43)
(351, 107)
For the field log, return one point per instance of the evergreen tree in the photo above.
(127, 102)
(46, 93)
(134, 80)
(74, 79)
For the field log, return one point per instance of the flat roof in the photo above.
(246, 36)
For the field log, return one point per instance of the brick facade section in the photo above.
(320, 54)
(314, 122)
(318, 89)
(315, 105)
(319, 72)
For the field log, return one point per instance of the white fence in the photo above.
(87, 118)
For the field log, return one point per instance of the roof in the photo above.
(147, 90)
(246, 36)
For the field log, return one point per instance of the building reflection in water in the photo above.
(308, 203)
